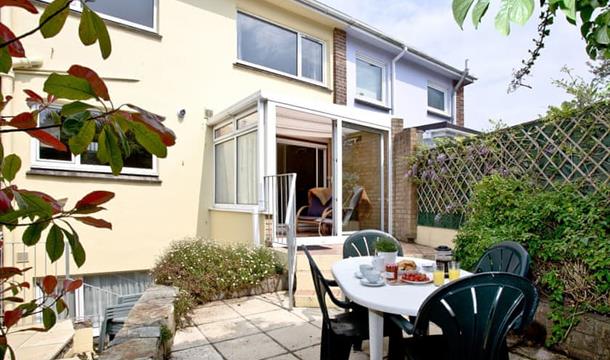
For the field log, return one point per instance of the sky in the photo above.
(428, 25)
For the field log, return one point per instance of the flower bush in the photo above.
(566, 233)
(204, 271)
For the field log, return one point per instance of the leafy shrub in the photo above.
(385, 245)
(566, 234)
(204, 270)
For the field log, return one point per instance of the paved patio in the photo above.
(36, 345)
(252, 328)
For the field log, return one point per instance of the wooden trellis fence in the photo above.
(574, 149)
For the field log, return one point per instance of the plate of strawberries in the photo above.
(414, 277)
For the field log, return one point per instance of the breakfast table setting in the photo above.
(391, 284)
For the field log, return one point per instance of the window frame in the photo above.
(75, 165)
(77, 6)
(380, 64)
(300, 35)
(447, 102)
(233, 136)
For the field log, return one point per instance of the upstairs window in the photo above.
(438, 99)
(141, 14)
(276, 48)
(369, 80)
(139, 161)
(135, 12)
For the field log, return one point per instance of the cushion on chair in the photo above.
(316, 208)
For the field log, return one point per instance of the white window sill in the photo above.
(250, 66)
(372, 102)
(150, 179)
(235, 209)
(438, 112)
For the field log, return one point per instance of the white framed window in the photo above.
(139, 162)
(438, 99)
(370, 80)
(235, 161)
(272, 47)
(141, 14)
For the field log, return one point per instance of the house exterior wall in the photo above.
(189, 64)
(411, 87)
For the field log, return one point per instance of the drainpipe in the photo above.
(393, 80)
(455, 89)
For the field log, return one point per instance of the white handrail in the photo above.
(280, 203)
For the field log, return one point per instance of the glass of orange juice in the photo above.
(454, 270)
(438, 276)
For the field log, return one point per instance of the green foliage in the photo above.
(385, 245)
(594, 16)
(183, 305)
(206, 270)
(567, 235)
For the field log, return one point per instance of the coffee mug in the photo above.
(372, 276)
(364, 268)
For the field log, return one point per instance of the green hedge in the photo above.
(566, 234)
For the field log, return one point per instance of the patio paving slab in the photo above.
(208, 314)
(187, 338)
(252, 306)
(42, 345)
(297, 337)
(227, 329)
(275, 319)
(253, 347)
(206, 352)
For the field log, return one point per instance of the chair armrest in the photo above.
(326, 213)
(402, 323)
(301, 210)
(331, 282)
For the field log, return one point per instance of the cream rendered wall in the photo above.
(189, 65)
(434, 236)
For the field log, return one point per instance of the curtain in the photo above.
(246, 169)
(224, 172)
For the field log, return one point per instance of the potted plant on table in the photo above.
(387, 250)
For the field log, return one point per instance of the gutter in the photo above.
(455, 90)
(393, 80)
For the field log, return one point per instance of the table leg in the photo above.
(376, 334)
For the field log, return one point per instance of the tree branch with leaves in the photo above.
(591, 17)
(87, 115)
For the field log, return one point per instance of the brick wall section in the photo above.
(339, 67)
(459, 106)
(361, 160)
(404, 222)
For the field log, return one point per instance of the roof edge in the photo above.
(324, 9)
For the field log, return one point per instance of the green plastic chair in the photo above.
(474, 313)
(362, 243)
(506, 256)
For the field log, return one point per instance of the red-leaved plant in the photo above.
(81, 123)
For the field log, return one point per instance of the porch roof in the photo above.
(329, 110)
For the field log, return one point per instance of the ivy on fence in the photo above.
(570, 147)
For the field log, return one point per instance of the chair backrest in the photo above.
(362, 243)
(475, 313)
(506, 256)
(321, 286)
(352, 204)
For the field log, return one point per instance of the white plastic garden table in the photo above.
(398, 299)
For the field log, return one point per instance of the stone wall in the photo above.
(149, 328)
(587, 340)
